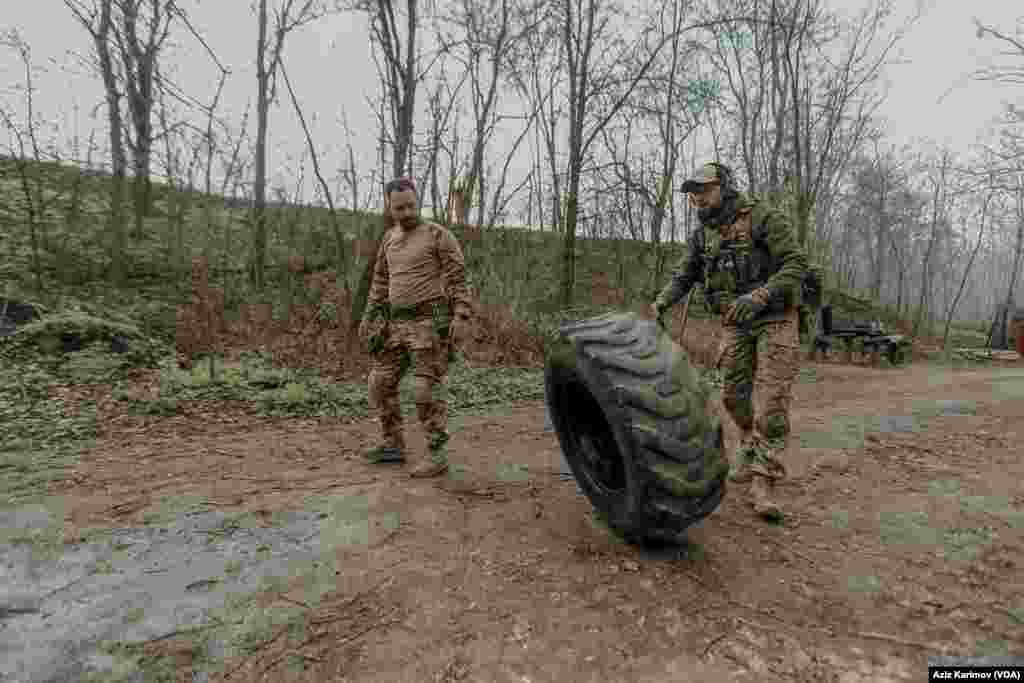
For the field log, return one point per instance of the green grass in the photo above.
(39, 439)
(290, 392)
(907, 528)
(863, 584)
(171, 509)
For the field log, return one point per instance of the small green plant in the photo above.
(295, 393)
(963, 544)
(840, 519)
(513, 472)
(863, 584)
(907, 528)
(233, 568)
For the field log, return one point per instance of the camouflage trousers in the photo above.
(417, 344)
(766, 354)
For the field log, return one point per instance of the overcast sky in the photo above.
(331, 69)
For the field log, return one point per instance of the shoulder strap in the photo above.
(759, 221)
(435, 231)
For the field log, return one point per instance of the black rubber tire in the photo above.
(634, 424)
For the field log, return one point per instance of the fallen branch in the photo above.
(260, 647)
(714, 641)
(341, 643)
(895, 640)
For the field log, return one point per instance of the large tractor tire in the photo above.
(633, 421)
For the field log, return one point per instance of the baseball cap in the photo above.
(703, 175)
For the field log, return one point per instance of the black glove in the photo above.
(745, 309)
(661, 307)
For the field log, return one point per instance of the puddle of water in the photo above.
(956, 407)
(136, 584)
(896, 423)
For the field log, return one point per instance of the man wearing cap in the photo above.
(418, 307)
(748, 259)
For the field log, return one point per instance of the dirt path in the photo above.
(904, 538)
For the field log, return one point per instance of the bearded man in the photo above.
(752, 267)
(418, 310)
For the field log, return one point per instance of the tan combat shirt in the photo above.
(422, 264)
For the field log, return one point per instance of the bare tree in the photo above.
(488, 33)
(287, 18)
(938, 178)
(1018, 251)
(537, 73)
(97, 19)
(400, 78)
(27, 157)
(986, 202)
(350, 173)
(1011, 71)
(139, 46)
(798, 114)
(341, 258)
(442, 102)
(599, 87)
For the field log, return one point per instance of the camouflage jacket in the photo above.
(416, 266)
(759, 249)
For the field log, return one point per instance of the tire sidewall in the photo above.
(622, 507)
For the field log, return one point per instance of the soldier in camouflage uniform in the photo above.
(747, 257)
(419, 282)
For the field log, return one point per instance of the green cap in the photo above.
(705, 174)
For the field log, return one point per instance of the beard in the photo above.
(723, 214)
(409, 223)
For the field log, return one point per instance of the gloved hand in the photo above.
(747, 307)
(660, 309)
(368, 329)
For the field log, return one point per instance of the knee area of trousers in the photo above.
(379, 386)
(423, 389)
(775, 426)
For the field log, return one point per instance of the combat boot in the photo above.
(385, 454)
(762, 499)
(435, 465)
(741, 471)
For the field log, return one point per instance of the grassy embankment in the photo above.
(514, 271)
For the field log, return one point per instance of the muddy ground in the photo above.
(220, 545)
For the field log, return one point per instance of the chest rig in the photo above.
(737, 260)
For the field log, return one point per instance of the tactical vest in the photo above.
(737, 261)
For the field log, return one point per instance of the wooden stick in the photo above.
(686, 315)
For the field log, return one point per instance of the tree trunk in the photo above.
(927, 276)
(259, 190)
(1018, 251)
(967, 271)
(401, 90)
(342, 257)
(118, 159)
